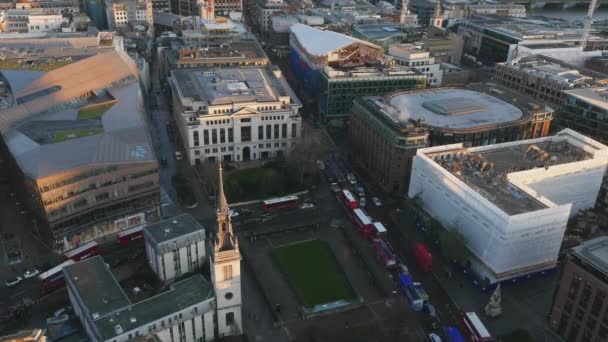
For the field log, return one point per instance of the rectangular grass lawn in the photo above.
(313, 273)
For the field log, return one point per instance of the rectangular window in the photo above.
(246, 133)
(284, 131)
(206, 137)
(246, 120)
(214, 136)
(276, 131)
(294, 130)
(195, 138)
(230, 135)
(230, 318)
(222, 135)
(268, 132)
(260, 132)
(227, 272)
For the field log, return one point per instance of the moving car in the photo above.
(30, 273)
(13, 282)
(362, 202)
(307, 206)
(376, 201)
(233, 213)
(178, 155)
(335, 187)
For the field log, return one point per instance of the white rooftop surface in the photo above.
(452, 108)
(319, 43)
(595, 96)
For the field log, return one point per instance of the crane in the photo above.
(588, 20)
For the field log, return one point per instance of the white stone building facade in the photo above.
(175, 246)
(239, 114)
(410, 56)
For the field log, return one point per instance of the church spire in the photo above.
(438, 9)
(225, 236)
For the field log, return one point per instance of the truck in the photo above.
(423, 257)
(473, 328)
(452, 334)
(407, 287)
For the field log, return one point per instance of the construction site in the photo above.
(487, 172)
(511, 201)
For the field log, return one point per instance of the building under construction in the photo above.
(335, 69)
(511, 201)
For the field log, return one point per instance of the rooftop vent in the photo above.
(166, 230)
(95, 315)
(117, 329)
(133, 319)
(106, 300)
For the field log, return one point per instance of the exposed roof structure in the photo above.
(450, 108)
(46, 132)
(319, 43)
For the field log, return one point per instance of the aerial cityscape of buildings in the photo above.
(303, 170)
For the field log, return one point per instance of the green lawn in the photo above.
(313, 273)
(75, 133)
(94, 112)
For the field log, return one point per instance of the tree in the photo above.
(208, 171)
(454, 245)
(307, 151)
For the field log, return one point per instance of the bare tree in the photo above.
(306, 152)
(209, 176)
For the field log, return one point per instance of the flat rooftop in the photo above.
(594, 252)
(180, 295)
(450, 108)
(174, 227)
(96, 286)
(528, 28)
(382, 31)
(492, 183)
(228, 85)
(237, 48)
(598, 97)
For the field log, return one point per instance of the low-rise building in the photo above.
(444, 46)
(260, 13)
(334, 69)
(385, 132)
(184, 312)
(175, 246)
(511, 201)
(123, 12)
(414, 57)
(580, 306)
(544, 79)
(386, 34)
(235, 113)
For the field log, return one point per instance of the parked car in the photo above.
(307, 206)
(376, 201)
(13, 282)
(178, 155)
(30, 273)
(335, 187)
(362, 202)
(403, 269)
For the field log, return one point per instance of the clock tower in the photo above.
(226, 270)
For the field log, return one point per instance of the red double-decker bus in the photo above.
(473, 328)
(384, 253)
(52, 279)
(349, 199)
(363, 222)
(126, 237)
(280, 203)
(85, 251)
